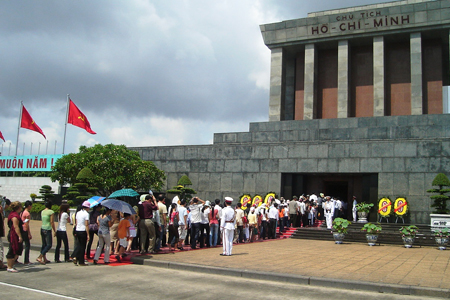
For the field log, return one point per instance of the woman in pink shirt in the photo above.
(25, 216)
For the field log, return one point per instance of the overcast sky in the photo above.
(145, 73)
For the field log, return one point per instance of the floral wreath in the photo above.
(401, 206)
(257, 200)
(245, 200)
(268, 197)
(385, 207)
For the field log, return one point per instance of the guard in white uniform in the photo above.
(354, 211)
(227, 226)
(328, 209)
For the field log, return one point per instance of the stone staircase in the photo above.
(389, 235)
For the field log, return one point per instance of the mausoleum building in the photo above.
(358, 103)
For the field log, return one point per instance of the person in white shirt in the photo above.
(195, 206)
(204, 227)
(302, 210)
(61, 233)
(182, 223)
(273, 218)
(328, 208)
(264, 226)
(227, 226)
(239, 224)
(354, 211)
(82, 233)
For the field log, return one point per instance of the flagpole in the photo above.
(65, 126)
(18, 127)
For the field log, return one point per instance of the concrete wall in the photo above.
(20, 188)
(407, 152)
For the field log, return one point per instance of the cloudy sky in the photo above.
(145, 73)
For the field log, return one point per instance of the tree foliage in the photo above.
(114, 167)
(46, 193)
(440, 200)
(182, 189)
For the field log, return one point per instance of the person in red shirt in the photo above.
(146, 225)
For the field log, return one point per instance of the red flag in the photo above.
(77, 118)
(1, 137)
(28, 122)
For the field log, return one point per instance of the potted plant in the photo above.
(441, 237)
(363, 209)
(440, 217)
(372, 231)
(340, 226)
(408, 235)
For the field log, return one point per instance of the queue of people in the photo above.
(195, 223)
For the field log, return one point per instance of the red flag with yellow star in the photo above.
(77, 118)
(28, 122)
(1, 136)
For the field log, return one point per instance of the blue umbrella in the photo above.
(119, 205)
(95, 200)
(124, 193)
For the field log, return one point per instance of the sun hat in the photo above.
(86, 204)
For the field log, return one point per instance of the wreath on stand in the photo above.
(385, 208)
(401, 208)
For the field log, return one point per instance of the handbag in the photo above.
(175, 220)
(93, 227)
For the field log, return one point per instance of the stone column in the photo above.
(276, 82)
(416, 74)
(309, 111)
(378, 76)
(343, 79)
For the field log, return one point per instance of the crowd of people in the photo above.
(194, 223)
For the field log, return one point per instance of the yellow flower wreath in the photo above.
(385, 207)
(400, 206)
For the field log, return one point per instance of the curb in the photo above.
(297, 279)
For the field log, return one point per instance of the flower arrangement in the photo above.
(364, 207)
(245, 199)
(385, 207)
(442, 233)
(400, 207)
(340, 225)
(371, 228)
(409, 230)
(257, 200)
(270, 196)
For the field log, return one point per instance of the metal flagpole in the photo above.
(65, 126)
(55, 148)
(23, 150)
(18, 127)
(46, 149)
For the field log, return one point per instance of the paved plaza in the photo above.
(424, 267)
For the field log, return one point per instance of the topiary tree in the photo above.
(46, 193)
(440, 200)
(182, 189)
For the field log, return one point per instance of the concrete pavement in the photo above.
(385, 268)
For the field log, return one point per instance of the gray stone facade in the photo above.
(406, 152)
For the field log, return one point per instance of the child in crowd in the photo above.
(123, 231)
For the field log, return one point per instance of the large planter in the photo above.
(338, 237)
(371, 239)
(362, 216)
(408, 240)
(441, 242)
(439, 221)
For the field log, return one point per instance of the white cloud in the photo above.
(145, 73)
